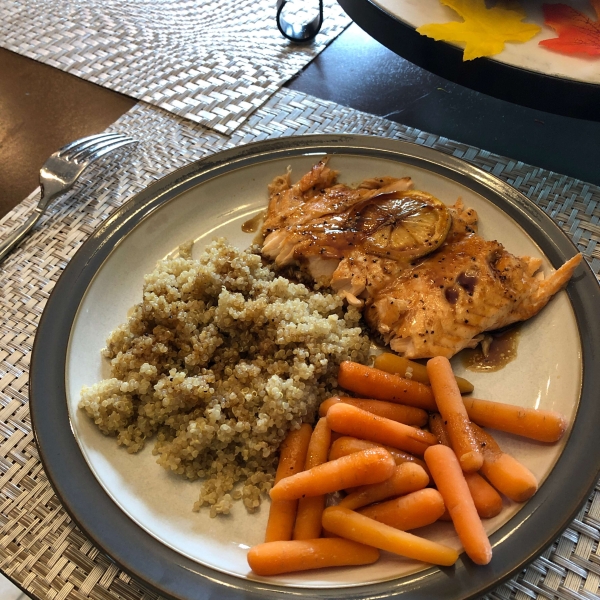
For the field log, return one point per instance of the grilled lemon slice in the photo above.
(405, 225)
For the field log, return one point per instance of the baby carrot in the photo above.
(352, 525)
(540, 425)
(504, 472)
(487, 500)
(310, 510)
(437, 427)
(347, 445)
(374, 383)
(292, 455)
(392, 363)
(449, 479)
(417, 509)
(406, 478)
(409, 415)
(326, 404)
(368, 466)
(275, 558)
(353, 421)
(452, 409)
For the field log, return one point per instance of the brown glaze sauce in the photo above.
(502, 350)
(468, 280)
(252, 225)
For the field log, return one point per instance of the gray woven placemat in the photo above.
(213, 62)
(40, 548)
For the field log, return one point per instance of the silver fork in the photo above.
(60, 172)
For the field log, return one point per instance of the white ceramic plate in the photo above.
(527, 55)
(213, 198)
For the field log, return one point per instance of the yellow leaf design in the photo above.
(484, 31)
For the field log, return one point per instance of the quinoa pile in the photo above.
(218, 362)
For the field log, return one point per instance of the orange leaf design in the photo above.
(577, 33)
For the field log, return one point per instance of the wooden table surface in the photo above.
(43, 108)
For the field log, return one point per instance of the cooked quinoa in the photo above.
(218, 362)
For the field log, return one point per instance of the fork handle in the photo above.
(17, 236)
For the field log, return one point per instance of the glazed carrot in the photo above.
(353, 421)
(487, 500)
(352, 525)
(452, 409)
(368, 466)
(504, 472)
(540, 425)
(310, 510)
(449, 479)
(326, 404)
(437, 427)
(275, 558)
(414, 510)
(409, 415)
(347, 445)
(392, 363)
(374, 383)
(406, 478)
(292, 456)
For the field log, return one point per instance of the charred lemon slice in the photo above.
(406, 224)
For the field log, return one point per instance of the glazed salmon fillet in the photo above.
(424, 294)
(469, 286)
(311, 221)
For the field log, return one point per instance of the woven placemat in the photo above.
(40, 548)
(213, 62)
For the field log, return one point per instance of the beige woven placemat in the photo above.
(40, 548)
(213, 62)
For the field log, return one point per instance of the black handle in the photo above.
(303, 32)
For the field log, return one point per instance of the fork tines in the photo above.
(94, 146)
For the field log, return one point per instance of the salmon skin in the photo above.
(424, 295)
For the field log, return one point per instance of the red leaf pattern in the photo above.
(577, 33)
